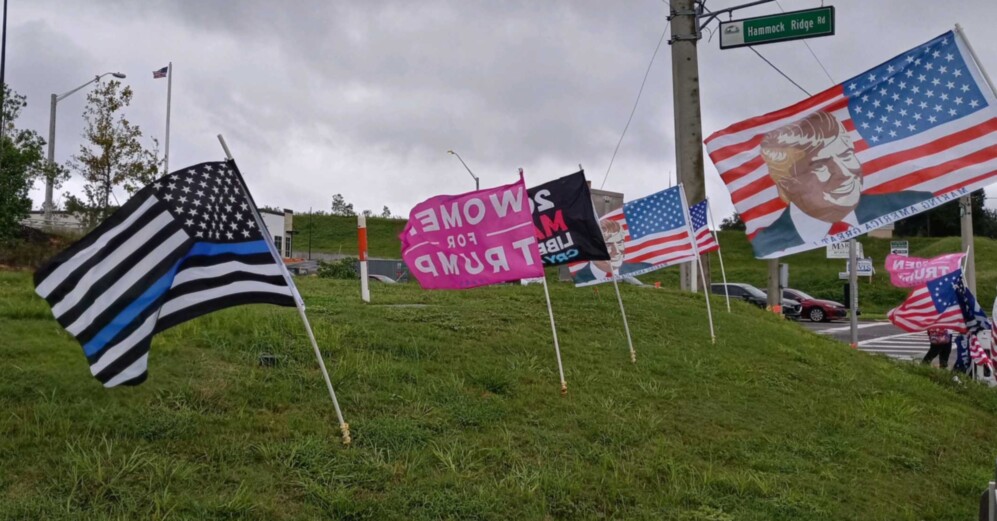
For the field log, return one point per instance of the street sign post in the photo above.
(781, 27)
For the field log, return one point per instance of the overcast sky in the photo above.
(364, 98)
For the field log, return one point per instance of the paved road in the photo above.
(876, 337)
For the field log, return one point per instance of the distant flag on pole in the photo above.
(899, 139)
(161, 73)
(705, 242)
(186, 245)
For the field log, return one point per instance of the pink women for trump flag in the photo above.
(894, 141)
(911, 272)
(472, 239)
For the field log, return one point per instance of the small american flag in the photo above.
(705, 241)
(657, 234)
(936, 304)
(161, 73)
(186, 245)
(923, 121)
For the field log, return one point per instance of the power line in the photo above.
(780, 71)
(639, 92)
(812, 53)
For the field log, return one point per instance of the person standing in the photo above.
(941, 346)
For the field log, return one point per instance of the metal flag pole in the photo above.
(853, 292)
(169, 96)
(695, 249)
(343, 426)
(557, 346)
(716, 237)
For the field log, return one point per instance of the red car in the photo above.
(817, 310)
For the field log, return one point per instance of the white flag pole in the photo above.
(716, 237)
(362, 248)
(553, 330)
(343, 426)
(169, 96)
(695, 249)
(619, 298)
(626, 327)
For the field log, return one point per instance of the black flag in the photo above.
(565, 223)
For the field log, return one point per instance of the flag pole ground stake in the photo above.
(626, 327)
(557, 347)
(723, 273)
(343, 426)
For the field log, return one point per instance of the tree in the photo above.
(21, 161)
(733, 222)
(340, 206)
(386, 213)
(111, 154)
(944, 220)
(368, 213)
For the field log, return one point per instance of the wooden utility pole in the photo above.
(688, 123)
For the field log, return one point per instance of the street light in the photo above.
(51, 141)
(476, 181)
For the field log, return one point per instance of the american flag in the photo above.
(936, 304)
(705, 241)
(922, 121)
(161, 73)
(976, 323)
(186, 245)
(656, 232)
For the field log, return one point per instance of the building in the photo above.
(280, 226)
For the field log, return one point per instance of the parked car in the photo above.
(790, 307)
(817, 310)
(381, 278)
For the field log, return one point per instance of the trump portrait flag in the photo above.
(899, 139)
(472, 239)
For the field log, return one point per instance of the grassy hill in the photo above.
(338, 234)
(809, 271)
(454, 402)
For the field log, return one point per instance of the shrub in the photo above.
(345, 268)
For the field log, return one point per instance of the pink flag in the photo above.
(910, 272)
(472, 239)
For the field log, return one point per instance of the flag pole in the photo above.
(626, 327)
(720, 255)
(169, 96)
(695, 249)
(619, 298)
(343, 426)
(557, 346)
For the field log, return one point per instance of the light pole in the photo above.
(477, 185)
(51, 142)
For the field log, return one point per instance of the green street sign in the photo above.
(781, 27)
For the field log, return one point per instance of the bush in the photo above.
(345, 268)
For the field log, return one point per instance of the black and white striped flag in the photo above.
(183, 246)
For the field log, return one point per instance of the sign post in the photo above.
(780, 27)
(362, 253)
(900, 248)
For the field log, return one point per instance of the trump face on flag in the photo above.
(903, 137)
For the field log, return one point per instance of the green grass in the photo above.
(808, 271)
(338, 234)
(456, 414)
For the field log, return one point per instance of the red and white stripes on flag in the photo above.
(658, 250)
(922, 121)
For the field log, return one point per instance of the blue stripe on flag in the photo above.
(129, 314)
(241, 248)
